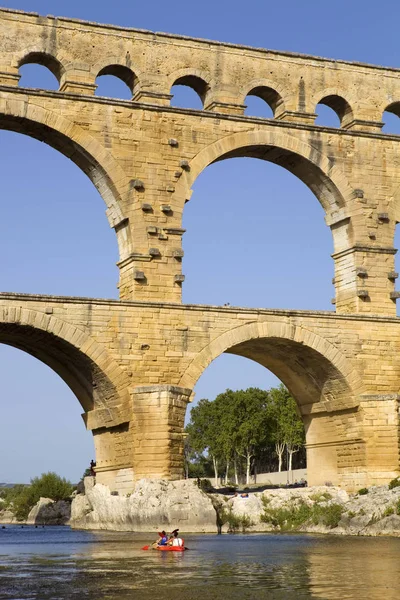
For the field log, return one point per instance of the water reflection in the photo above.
(59, 563)
(350, 568)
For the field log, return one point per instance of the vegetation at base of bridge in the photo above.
(298, 513)
(242, 430)
(20, 499)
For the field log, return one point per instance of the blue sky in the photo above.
(255, 255)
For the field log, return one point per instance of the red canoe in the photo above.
(171, 548)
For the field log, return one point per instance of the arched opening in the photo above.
(277, 454)
(333, 111)
(115, 81)
(267, 242)
(189, 91)
(322, 391)
(390, 118)
(262, 101)
(42, 425)
(86, 368)
(40, 70)
(53, 239)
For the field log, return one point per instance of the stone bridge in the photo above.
(133, 363)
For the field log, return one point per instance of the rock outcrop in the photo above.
(7, 517)
(158, 504)
(48, 512)
(153, 505)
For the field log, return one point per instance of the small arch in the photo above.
(46, 61)
(337, 105)
(390, 118)
(126, 81)
(268, 96)
(191, 80)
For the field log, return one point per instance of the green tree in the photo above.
(22, 498)
(287, 426)
(203, 431)
(252, 427)
(241, 426)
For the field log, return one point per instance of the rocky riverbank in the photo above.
(156, 504)
(45, 512)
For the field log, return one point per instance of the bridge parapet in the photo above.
(151, 63)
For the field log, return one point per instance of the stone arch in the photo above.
(304, 160)
(84, 150)
(96, 379)
(322, 380)
(125, 74)
(338, 101)
(393, 107)
(274, 94)
(45, 60)
(330, 377)
(120, 67)
(197, 79)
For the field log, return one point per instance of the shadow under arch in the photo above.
(85, 366)
(317, 374)
(80, 147)
(304, 160)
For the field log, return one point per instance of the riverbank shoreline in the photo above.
(159, 504)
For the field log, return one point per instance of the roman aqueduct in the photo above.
(133, 363)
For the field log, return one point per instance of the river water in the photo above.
(57, 563)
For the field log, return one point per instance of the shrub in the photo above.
(205, 485)
(351, 514)
(327, 515)
(321, 497)
(49, 485)
(388, 511)
(363, 491)
(235, 522)
(398, 508)
(294, 516)
(245, 522)
(394, 483)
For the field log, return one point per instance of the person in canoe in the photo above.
(175, 540)
(162, 540)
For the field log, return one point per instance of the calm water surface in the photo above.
(60, 563)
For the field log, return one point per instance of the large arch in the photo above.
(77, 144)
(98, 382)
(316, 372)
(303, 159)
(320, 378)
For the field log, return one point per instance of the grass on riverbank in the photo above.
(295, 514)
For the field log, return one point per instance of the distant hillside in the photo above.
(7, 485)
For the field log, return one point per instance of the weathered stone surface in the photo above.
(133, 363)
(48, 512)
(152, 506)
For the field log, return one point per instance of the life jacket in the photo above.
(164, 541)
(178, 542)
